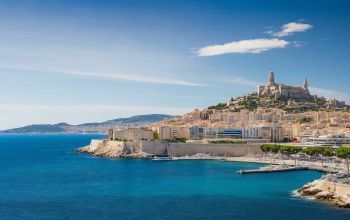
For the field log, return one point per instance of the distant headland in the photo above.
(92, 127)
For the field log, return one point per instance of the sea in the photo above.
(41, 177)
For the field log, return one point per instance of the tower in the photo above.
(306, 84)
(271, 80)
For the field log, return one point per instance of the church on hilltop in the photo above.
(285, 91)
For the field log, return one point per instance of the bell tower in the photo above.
(271, 79)
(306, 84)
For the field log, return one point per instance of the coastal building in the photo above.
(274, 133)
(171, 132)
(281, 90)
(254, 132)
(263, 132)
(164, 132)
(334, 103)
(329, 139)
(197, 132)
(130, 134)
(229, 134)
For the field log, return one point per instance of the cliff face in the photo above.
(113, 149)
(337, 193)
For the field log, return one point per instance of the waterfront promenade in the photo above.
(326, 166)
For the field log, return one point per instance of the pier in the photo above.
(272, 170)
(285, 169)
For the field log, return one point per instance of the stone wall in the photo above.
(154, 147)
(183, 149)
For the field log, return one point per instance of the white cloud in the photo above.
(243, 46)
(330, 94)
(291, 28)
(113, 76)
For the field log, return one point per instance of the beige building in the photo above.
(130, 134)
(171, 132)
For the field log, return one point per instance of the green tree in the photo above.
(285, 149)
(320, 151)
(265, 148)
(155, 135)
(328, 151)
(344, 153)
(274, 148)
(312, 151)
(269, 148)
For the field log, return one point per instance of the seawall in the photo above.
(160, 148)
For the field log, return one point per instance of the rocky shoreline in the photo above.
(337, 194)
(113, 149)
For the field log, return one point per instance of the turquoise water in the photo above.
(41, 178)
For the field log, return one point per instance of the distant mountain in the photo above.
(39, 128)
(137, 120)
(141, 118)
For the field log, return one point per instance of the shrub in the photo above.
(219, 106)
(305, 120)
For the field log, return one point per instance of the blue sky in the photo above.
(83, 61)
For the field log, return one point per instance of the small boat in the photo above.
(162, 158)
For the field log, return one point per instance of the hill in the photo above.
(253, 101)
(137, 120)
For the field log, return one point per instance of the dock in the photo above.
(272, 170)
(285, 169)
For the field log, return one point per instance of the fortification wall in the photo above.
(154, 147)
(183, 149)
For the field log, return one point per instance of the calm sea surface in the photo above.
(41, 178)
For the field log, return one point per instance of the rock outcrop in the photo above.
(113, 149)
(336, 193)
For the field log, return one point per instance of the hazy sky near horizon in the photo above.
(93, 60)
